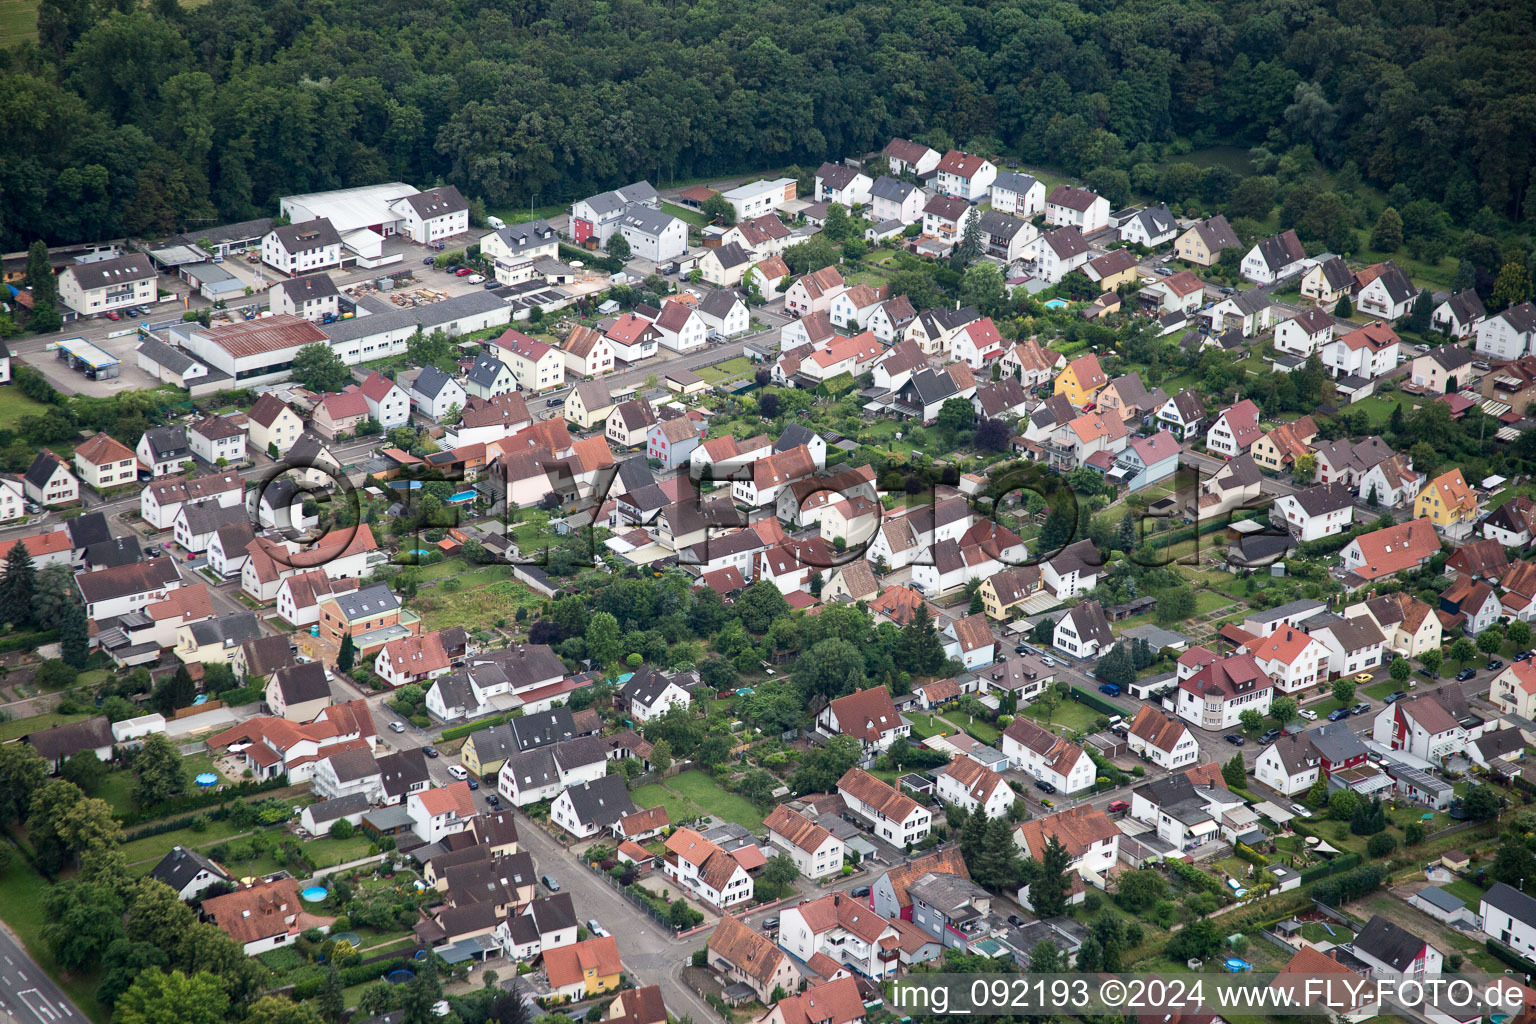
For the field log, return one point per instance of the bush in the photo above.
(1381, 845)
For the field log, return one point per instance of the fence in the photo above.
(623, 890)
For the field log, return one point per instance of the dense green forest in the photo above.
(126, 118)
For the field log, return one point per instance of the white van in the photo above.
(496, 222)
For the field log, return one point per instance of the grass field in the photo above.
(682, 213)
(18, 727)
(731, 369)
(477, 608)
(1073, 716)
(694, 793)
(1465, 891)
(18, 21)
(1313, 931)
(152, 848)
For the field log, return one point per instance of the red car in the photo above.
(1116, 806)
(113, 314)
(463, 272)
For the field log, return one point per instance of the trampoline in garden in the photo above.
(399, 976)
(207, 779)
(315, 893)
(350, 938)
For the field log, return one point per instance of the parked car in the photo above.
(427, 262)
(770, 923)
(1393, 698)
(1465, 674)
(1300, 810)
(493, 283)
(1494, 664)
(1044, 787)
(476, 279)
(458, 771)
(1308, 714)
(473, 784)
(1338, 715)
(1360, 709)
(1270, 736)
(113, 314)
(1227, 289)
(463, 272)
(1164, 271)
(1111, 689)
(397, 727)
(1116, 806)
(1524, 655)
(1364, 677)
(550, 883)
(1016, 920)
(860, 892)
(493, 799)
(429, 751)
(1234, 739)
(596, 929)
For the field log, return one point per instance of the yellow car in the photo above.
(1363, 677)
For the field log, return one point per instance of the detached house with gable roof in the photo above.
(1274, 258)
(49, 482)
(726, 265)
(1204, 241)
(1317, 512)
(1091, 840)
(839, 183)
(102, 463)
(816, 852)
(965, 175)
(1166, 742)
(1150, 227)
(1368, 352)
(967, 783)
(705, 870)
(273, 426)
(894, 817)
(741, 953)
(301, 248)
(1446, 501)
(1428, 725)
(869, 716)
(1080, 208)
(814, 292)
(1017, 194)
(680, 327)
(1083, 632)
(1214, 697)
(1057, 253)
(844, 929)
(894, 199)
(535, 365)
(1458, 315)
(1384, 290)
(1043, 755)
(1234, 430)
(1303, 334)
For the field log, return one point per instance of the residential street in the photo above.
(27, 994)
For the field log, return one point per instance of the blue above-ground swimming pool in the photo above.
(1057, 304)
(399, 976)
(1237, 965)
(401, 485)
(315, 893)
(461, 497)
(207, 779)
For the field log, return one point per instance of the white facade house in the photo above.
(441, 812)
(1319, 511)
(894, 817)
(388, 403)
(1076, 208)
(434, 393)
(759, 197)
(1509, 335)
(1274, 258)
(965, 175)
(1057, 253)
(1018, 194)
(302, 248)
(653, 234)
(844, 929)
(839, 183)
(967, 783)
(1369, 352)
(816, 852)
(100, 286)
(431, 215)
(1043, 755)
(1509, 915)
(1303, 334)
(1166, 742)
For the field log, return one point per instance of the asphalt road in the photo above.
(27, 994)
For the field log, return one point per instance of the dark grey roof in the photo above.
(208, 516)
(430, 381)
(1389, 943)
(836, 175)
(1499, 742)
(428, 317)
(583, 750)
(138, 578)
(528, 769)
(1453, 357)
(360, 604)
(1324, 498)
(1013, 181)
(308, 236)
(553, 913)
(485, 371)
(1001, 225)
(644, 686)
(115, 551)
(543, 729)
(1280, 251)
(179, 867)
(719, 303)
(61, 741)
(1188, 406)
(732, 255)
(231, 630)
(104, 273)
(1002, 397)
(1399, 288)
(267, 654)
(244, 231)
(402, 770)
(1336, 274)
(1090, 623)
(1439, 898)
(1336, 742)
(166, 443)
(529, 235)
(437, 202)
(42, 469)
(525, 665)
(327, 811)
(931, 386)
(300, 683)
(351, 765)
(795, 435)
(88, 529)
(1156, 221)
(1522, 317)
(1511, 901)
(893, 189)
(1251, 301)
(602, 802)
(647, 220)
(307, 289)
(1216, 233)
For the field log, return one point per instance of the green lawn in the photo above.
(19, 727)
(151, 848)
(741, 366)
(682, 213)
(1465, 891)
(694, 793)
(519, 215)
(1074, 716)
(1313, 931)
(18, 21)
(476, 608)
(22, 910)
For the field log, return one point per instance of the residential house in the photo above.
(681, 327)
(1508, 335)
(1166, 742)
(853, 307)
(1391, 482)
(894, 199)
(672, 441)
(726, 265)
(299, 594)
(1307, 332)
(1247, 312)
(298, 693)
(1083, 632)
(964, 175)
(584, 970)
(1278, 450)
(970, 640)
(1185, 807)
(516, 251)
(1346, 461)
(1043, 755)
(199, 522)
(1017, 194)
(313, 297)
(1384, 290)
(633, 338)
(1081, 381)
(977, 344)
(340, 414)
(1057, 253)
(1204, 241)
(1355, 644)
(302, 248)
(725, 314)
(653, 235)
(1470, 604)
(272, 426)
(890, 318)
(1005, 236)
(110, 593)
(218, 439)
(542, 773)
(1005, 400)
(839, 183)
(742, 954)
(869, 716)
(893, 816)
(764, 236)
(1007, 589)
(816, 853)
(535, 366)
(1409, 626)
(96, 288)
(1428, 725)
(1368, 352)
(1388, 948)
(836, 1002)
(591, 807)
(1150, 227)
(1219, 692)
(417, 659)
(588, 404)
(1234, 430)
(1446, 501)
(1458, 315)
(1073, 571)
(1513, 523)
(1274, 258)
(587, 353)
(1114, 268)
(1322, 510)
(945, 218)
(888, 893)
(358, 612)
(259, 917)
(1509, 915)
(705, 870)
(441, 811)
(58, 743)
(1327, 282)
(488, 378)
(933, 328)
(1080, 208)
(1443, 370)
(188, 872)
(1090, 838)
(102, 463)
(844, 929)
(648, 694)
(597, 217)
(49, 482)
(1291, 658)
(1178, 293)
(813, 292)
(1182, 415)
(906, 157)
(967, 783)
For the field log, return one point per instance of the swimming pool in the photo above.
(315, 893)
(1057, 304)
(461, 497)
